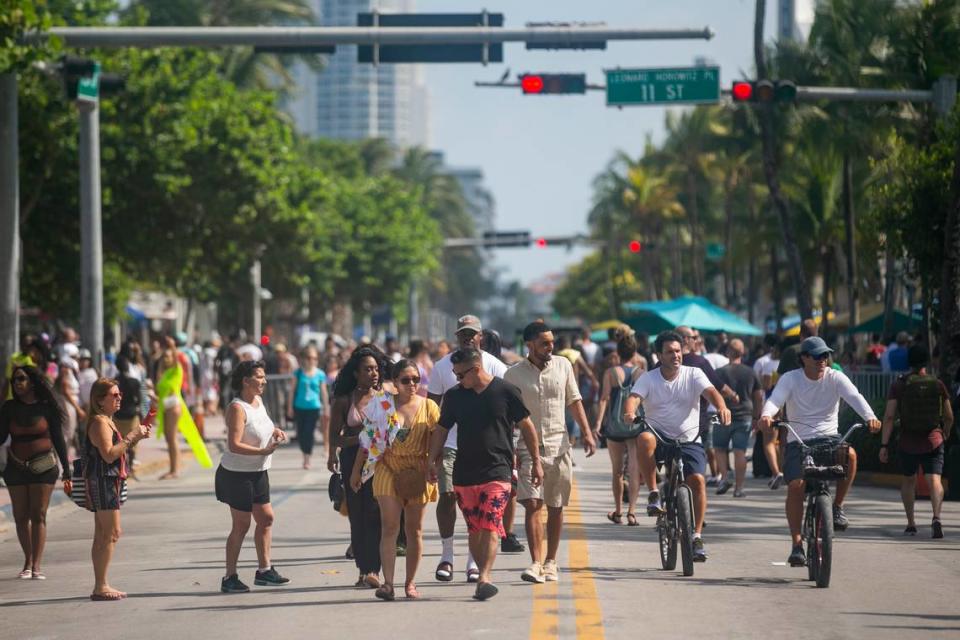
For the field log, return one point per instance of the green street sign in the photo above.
(690, 85)
(715, 251)
(88, 89)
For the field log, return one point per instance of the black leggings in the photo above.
(306, 421)
(364, 516)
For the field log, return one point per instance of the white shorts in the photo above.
(557, 479)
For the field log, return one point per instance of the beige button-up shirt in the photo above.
(547, 394)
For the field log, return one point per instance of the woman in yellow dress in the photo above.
(399, 447)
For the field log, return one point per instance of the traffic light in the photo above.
(635, 246)
(544, 83)
(541, 243)
(764, 91)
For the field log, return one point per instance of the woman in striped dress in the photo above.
(402, 446)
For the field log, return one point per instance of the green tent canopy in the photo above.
(692, 311)
(901, 322)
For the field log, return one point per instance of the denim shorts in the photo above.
(793, 458)
(737, 431)
(931, 462)
(693, 454)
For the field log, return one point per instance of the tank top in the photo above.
(257, 431)
(615, 388)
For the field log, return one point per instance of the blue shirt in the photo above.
(307, 395)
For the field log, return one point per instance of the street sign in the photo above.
(715, 251)
(88, 88)
(689, 85)
(406, 53)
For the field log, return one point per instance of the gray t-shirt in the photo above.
(744, 381)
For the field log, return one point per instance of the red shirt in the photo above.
(916, 443)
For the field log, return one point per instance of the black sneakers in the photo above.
(270, 577)
(840, 522)
(232, 584)
(937, 529)
(797, 557)
(510, 544)
(699, 553)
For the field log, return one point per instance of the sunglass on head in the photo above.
(409, 380)
(461, 376)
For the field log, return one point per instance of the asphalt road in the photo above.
(170, 560)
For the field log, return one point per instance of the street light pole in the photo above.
(9, 221)
(91, 232)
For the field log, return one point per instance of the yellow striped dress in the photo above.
(412, 453)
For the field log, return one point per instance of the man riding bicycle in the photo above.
(670, 395)
(812, 396)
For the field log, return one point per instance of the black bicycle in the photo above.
(822, 464)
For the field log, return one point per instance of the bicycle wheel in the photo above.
(685, 527)
(668, 541)
(809, 523)
(820, 542)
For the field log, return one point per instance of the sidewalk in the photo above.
(152, 461)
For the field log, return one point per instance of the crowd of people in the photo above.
(466, 423)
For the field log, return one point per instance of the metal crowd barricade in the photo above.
(275, 397)
(874, 385)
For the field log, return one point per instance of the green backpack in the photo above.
(920, 405)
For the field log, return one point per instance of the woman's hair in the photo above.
(347, 378)
(132, 352)
(41, 387)
(244, 370)
(98, 392)
(403, 363)
(491, 343)
(307, 350)
(42, 348)
(626, 348)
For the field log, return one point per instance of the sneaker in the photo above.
(797, 557)
(654, 507)
(724, 486)
(713, 481)
(510, 544)
(937, 529)
(739, 493)
(775, 482)
(551, 571)
(840, 522)
(269, 577)
(232, 584)
(699, 553)
(401, 550)
(533, 573)
(910, 530)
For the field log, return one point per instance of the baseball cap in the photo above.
(85, 353)
(469, 322)
(814, 346)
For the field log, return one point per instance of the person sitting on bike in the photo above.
(812, 396)
(670, 395)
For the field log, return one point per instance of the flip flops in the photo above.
(485, 591)
(444, 572)
(410, 589)
(615, 517)
(385, 592)
(632, 520)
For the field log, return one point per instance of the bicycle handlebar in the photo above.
(784, 423)
(666, 441)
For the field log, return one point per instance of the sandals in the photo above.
(410, 589)
(444, 572)
(39, 575)
(632, 520)
(615, 517)
(385, 592)
(372, 581)
(26, 574)
(473, 575)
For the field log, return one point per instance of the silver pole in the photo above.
(9, 221)
(256, 282)
(854, 94)
(944, 95)
(91, 233)
(316, 36)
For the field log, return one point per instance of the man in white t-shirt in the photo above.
(670, 395)
(812, 396)
(442, 379)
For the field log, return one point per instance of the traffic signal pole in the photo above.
(9, 221)
(91, 233)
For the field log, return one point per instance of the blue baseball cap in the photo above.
(814, 346)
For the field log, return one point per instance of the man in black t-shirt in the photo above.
(486, 410)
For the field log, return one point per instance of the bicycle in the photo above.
(822, 464)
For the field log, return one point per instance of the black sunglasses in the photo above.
(461, 376)
(409, 379)
(822, 356)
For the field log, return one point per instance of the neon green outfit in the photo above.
(169, 384)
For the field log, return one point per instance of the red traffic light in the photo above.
(541, 242)
(742, 91)
(635, 246)
(532, 83)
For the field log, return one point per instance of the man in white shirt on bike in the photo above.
(811, 396)
(670, 395)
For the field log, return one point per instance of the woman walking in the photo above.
(104, 455)
(307, 401)
(242, 481)
(399, 446)
(175, 416)
(357, 384)
(34, 422)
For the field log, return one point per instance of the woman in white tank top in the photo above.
(242, 481)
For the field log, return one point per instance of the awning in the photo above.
(692, 311)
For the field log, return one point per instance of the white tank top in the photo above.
(257, 431)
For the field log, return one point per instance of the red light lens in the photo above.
(532, 84)
(635, 246)
(541, 242)
(742, 91)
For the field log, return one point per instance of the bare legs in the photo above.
(390, 511)
(263, 516)
(171, 417)
(30, 504)
(106, 532)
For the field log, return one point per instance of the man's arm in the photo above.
(437, 438)
(850, 394)
(773, 404)
(714, 397)
(529, 434)
(580, 416)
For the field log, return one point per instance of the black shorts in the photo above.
(17, 476)
(693, 454)
(242, 489)
(931, 462)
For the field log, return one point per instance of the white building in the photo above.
(794, 18)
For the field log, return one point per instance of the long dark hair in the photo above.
(346, 380)
(41, 387)
(243, 370)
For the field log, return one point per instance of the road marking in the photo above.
(545, 622)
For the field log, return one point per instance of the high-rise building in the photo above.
(794, 18)
(352, 101)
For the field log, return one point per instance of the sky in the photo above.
(540, 154)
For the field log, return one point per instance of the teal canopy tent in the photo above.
(692, 311)
(901, 322)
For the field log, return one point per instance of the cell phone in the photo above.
(151, 415)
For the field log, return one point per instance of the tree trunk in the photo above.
(729, 283)
(850, 229)
(341, 318)
(950, 282)
(696, 256)
(826, 256)
(889, 291)
(752, 264)
(612, 299)
(777, 293)
(800, 285)
(677, 275)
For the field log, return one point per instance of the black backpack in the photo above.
(616, 427)
(920, 405)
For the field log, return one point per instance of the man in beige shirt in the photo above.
(549, 388)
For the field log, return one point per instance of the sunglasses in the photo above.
(822, 356)
(409, 380)
(21, 379)
(115, 395)
(461, 376)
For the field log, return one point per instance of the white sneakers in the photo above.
(550, 571)
(533, 573)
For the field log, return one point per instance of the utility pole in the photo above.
(255, 281)
(9, 221)
(91, 232)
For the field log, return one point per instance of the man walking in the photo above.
(484, 409)
(548, 387)
(442, 379)
(922, 404)
(744, 382)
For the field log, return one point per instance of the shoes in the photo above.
(401, 550)
(699, 553)
(775, 482)
(385, 592)
(534, 574)
(232, 584)
(654, 507)
(910, 530)
(840, 522)
(937, 529)
(473, 574)
(632, 520)
(444, 572)
(739, 493)
(26, 574)
(269, 577)
(39, 575)
(485, 591)
(510, 544)
(724, 486)
(551, 573)
(797, 557)
(713, 481)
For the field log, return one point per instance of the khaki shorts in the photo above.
(445, 473)
(557, 479)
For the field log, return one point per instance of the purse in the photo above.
(78, 491)
(38, 464)
(409, 483)
(335, 490)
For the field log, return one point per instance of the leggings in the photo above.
(364, 516)
(306, 421)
